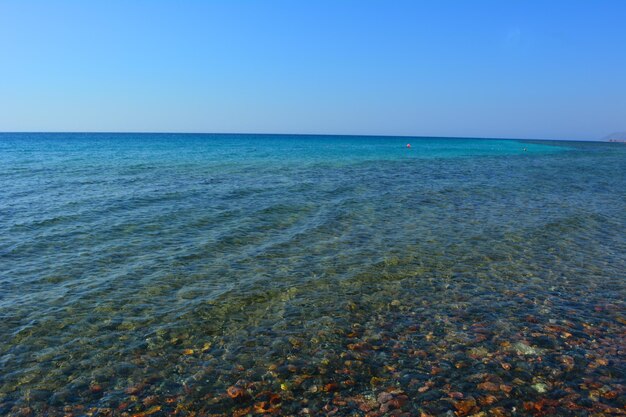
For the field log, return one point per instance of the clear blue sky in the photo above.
(534, 69)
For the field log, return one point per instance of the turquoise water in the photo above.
(146, 274)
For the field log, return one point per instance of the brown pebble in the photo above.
(365, 405)
(464, 407)
(275, 399)
(236, 393)
(331, 387)
(384, 408)
(148, 412)
(498, 412)
(330, 410)
(134, 390)
(95, 388)
(487, 400)
(384, 397)
(402, 399)
(242, 412)
(488, 386)
(262, 408)
(25, 412)
(150, 400)
(506, 388)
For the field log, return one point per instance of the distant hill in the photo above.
(615, 137)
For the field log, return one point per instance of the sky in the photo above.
(506, 69)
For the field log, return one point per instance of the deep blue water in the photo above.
(148, 273)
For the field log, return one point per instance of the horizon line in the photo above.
(297, 134)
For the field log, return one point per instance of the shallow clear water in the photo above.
(146, 274)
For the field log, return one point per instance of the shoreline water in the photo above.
(338, 276)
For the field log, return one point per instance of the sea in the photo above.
(240, 274)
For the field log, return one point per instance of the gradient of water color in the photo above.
(148, 273)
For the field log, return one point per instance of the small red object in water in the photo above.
(408, 145)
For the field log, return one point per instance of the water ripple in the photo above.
(146, 274)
